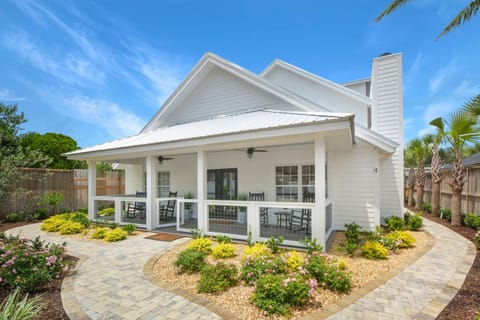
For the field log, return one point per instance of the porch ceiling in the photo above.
(255, 125)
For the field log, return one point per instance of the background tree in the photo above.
(421, 153)
(53, 145)
(459, 129)
(436, 172)
(463, 16)
(409, 161)
(13, 156)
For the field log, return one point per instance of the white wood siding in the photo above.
(387, 112)
(351, 179)
(319, 94)
(221, 93)
(133, 178)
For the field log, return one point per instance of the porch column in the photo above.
(201, 168)
(151, 177)
(318, 215)
(92, 188)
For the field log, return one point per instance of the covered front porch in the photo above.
(273, 189)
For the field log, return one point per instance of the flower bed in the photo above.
(238, 298)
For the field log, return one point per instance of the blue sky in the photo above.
(98, 70)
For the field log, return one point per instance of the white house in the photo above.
(315, 153)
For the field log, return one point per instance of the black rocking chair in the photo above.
(260, 196)
(301, 220)
(167, 211)
(137, 208)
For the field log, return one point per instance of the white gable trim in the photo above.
(315, 78)
(210, 59)
(376, 139)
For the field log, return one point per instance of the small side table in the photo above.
(283, 217)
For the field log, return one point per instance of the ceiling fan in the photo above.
(162, 158)
(251, 150)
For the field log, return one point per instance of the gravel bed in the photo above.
(236, 299)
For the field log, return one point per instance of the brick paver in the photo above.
(110, 283)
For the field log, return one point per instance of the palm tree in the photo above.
(459, 129)
(410, 163)
(463, 16)
(436, 171)
(420, 148)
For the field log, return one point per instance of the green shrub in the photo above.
(311, 245)
(217, 278)
(477, 239)
(129, 228)
(107, 212)
(327, 274)
(81, 218)
(270, 294)
(115, 235)
(394, 223)
(12, 308)
(30, 264)
(201, 244)
(99, 233)
(274, 243)
(374, 250)
(70, 227)
(223, 239)
(415, 222)
(427, 206)
(14, 216)
(446, 213)
(41, 214)
(352, 233)
(255, 267)
(472, 220)
(196, 233)
(190, 261)
(299, 289)
(224, 251)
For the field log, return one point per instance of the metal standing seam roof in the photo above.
(220, 125)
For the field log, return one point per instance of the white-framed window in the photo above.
(292, 181)
(163, 184)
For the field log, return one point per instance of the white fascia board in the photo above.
(376, 139)
(202, 143)
(356, 81)
(315, 78)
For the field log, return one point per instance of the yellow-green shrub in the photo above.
(52, 224)
(99, 233)
(407, 239)
(342, 264)
(257, 250)
(201, 244)
(70, 227)
(224, 251)
(115, 235)
(374, 250)
(293, 260)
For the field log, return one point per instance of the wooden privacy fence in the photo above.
(72, 184)
(470, 193)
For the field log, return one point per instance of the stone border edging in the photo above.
(70, 304)
(192, 297)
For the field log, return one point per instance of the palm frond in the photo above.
(463, 16)
(439, 123)
(394, 5)
(473, 106)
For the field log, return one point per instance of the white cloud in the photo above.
(164, 79)
(442, 76)
(467, 89)
(70, 69)
(439, 109)
(115, 120)
(426, 130)
(8, 95)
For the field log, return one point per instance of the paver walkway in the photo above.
(109, 282)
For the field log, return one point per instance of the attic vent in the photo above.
(385, 54)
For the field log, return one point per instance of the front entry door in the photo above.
(222, 184)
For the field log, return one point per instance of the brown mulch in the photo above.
(164, 237)
(49, 295)
(466, 303)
